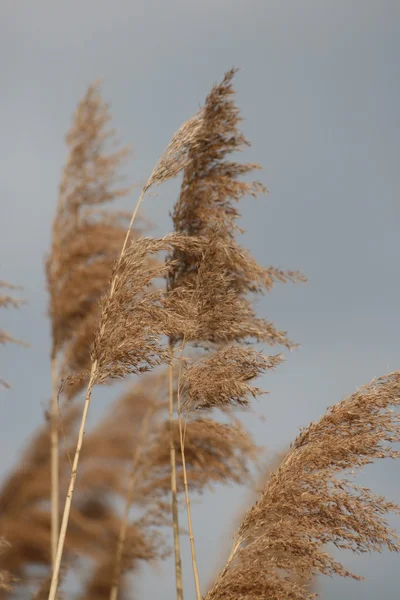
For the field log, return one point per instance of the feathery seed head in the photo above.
(304, 505)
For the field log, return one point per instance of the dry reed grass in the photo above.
(85, 243)
(95, 523)
(112, 317)
(209, 292)
(216, 453)
(86, 239)
(131, 324)
(265, 470)
(211, 188)
(222, 379)
(172, 161)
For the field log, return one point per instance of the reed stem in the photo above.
(189, 512)
(54, 469)
(175, 513)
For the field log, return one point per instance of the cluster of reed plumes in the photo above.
(176, 314)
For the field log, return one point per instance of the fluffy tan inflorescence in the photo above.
(176, 156)
(7, 300)
(264, 474)
(214, 452)
(86, 238)
(95, 521)
(209, 293)
(99, 584)
(171, 162)
(312, 500)
(25, 516)
(135, 315)
(207, 303)
(124, 359)
(211, 183)
(217, 452)
(222, 378)
(211, 188)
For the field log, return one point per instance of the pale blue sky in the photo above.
(319, 89)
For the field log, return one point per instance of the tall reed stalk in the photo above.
(83, 248)
(170, 164)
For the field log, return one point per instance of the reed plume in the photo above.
(265, 471)
(129, 447)
(85, 243)
(210, 293)
(95, 523)
(214, 453)
(85, 238)
(24, 508)
(312, 500)
(212, 187)
(172, 161)
(222, 378)
(128, 340)
(217, 452)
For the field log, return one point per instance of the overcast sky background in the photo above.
(319, 89)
